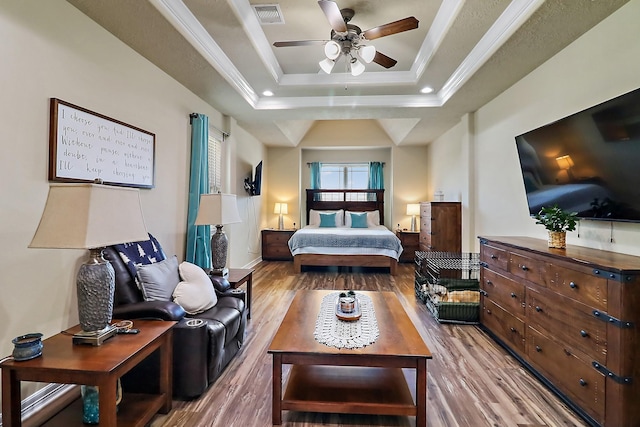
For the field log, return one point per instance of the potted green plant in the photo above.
(557, 222)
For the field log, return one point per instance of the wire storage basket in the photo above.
(448, 283)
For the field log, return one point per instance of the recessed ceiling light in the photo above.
(267, 93)
(426, 89)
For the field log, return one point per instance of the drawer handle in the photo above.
(493, 257)
(538, 308)
(488, 311)
(538, 348)
(512, 329)
(572, 285)
(583, 382)
(483, 292)
(489, 282)
(524, 268)
(584, 333)
(513, 295)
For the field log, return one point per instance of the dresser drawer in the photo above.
(425, 241)
(569, 321)
(575, 377)
(278, 252)
(507, 293)
(494, 257)
(276, 238)
(586, 288)
(525, 267)
(503, 324)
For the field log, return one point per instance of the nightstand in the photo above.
(275, 245)
(410, 241)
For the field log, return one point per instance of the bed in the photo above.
(342, 245)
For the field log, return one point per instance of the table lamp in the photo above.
(91, 216)
(218, 209)
(281, 209)
(413, 209)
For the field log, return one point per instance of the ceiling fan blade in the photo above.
(332, 12)
(406, 24)
(300, 43)
(384, 60)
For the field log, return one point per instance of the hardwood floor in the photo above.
(471, 380)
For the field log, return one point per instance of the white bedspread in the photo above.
(376, 240)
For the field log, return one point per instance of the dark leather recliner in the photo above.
(201, 350)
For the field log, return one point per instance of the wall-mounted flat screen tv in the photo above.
(587, 163)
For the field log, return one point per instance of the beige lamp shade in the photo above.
(85, 216)
(413, 209)
(564, 162)
(217, 209)
(281, 208)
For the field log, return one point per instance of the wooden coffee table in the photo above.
(366, 380)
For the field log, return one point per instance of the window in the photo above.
(344, 176)
(215, 160)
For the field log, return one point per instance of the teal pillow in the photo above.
(358, 220)
(327, 219)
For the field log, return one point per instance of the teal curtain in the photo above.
(198, 236)
(376, 178)
(315, 175)
(315, 178)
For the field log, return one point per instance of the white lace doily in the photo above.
(342, 334)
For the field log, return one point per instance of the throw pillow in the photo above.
(314, 217)
(373, 218)
(327, 219)
(158, 280)
(359, 220)
(195, 292)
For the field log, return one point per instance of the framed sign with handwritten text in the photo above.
(85, 146)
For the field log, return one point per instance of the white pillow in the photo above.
(195, 292)
(314, 217)
(158, 280)
(373, 218)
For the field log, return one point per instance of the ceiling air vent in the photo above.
(269, 14)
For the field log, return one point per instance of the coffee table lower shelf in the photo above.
(348, 390)
(135, 410)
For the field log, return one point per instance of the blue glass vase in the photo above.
(90, 407)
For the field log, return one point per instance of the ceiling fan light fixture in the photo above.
(332, 49)
(327, 65)
(367, 53)
(357, 67)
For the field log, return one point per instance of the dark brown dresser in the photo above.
(570, 315)
(441, 226)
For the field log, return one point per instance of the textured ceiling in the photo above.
(467, 51)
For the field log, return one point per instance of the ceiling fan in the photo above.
(349, 40)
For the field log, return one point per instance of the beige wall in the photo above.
(50, 49)
(405, 171)
(600, 65)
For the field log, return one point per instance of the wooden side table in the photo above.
(275, 245)
(68, 363)
(410, 241)
(238, 276)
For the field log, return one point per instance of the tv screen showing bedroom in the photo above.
(587, 162)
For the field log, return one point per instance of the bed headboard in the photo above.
(349, 200)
